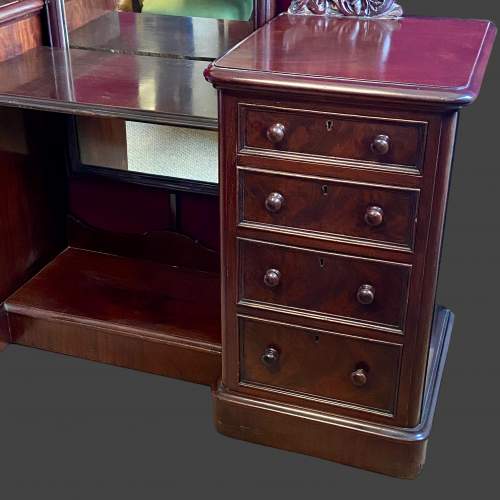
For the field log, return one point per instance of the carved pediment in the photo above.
(350, 8)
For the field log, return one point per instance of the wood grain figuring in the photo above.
(319, 207)
(324, 284)
(129, 294)
(17, 37)
(407, 413)
(432, 61)
(31, 201)
(385, 449)
(81, 12)
(101, 343)
(10, 10)
(332, 343)
(329, 361)
(166, 36)
(293, 429)
(116, 310)
(333, 135)
(102, 142)
(278, 269)
(113, 85)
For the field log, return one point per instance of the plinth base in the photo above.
(394, 451)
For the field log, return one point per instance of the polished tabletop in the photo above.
(154, 89)
(167, 36)
(433, 57)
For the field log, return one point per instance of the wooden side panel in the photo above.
(102, 142)
(80, 12)
(31, 199)
(19, 37)
(18, 34)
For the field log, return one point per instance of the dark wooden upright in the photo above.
(336, 140)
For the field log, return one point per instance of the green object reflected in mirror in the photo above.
(217, 9)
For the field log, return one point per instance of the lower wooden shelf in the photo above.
(123, 311)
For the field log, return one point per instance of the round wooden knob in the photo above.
(275, 202)
(381, 144)
(359, 377)
(366, 294)
(276, 133)
(270, 357)
(374, 216)
(272, 278)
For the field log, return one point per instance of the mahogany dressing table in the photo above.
(299, 281)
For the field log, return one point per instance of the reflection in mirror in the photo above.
(194, 29)
(197, 30)
(236, 10)
(148, 149)
(218, 9)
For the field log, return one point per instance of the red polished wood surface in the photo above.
(280, 72)
(318, 207)
(324, 285)
(166, 247)
(138, 211)
(120, 85)
(20, 27)
(80, 12)
(14, 9)
(170, 36)
(128, 312)
(313, 363)
(385, 449)
(332, 135)
(128, 295)
(432, 60)
(32, 198)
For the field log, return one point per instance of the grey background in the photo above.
(72, 429)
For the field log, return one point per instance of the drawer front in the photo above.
(376, 140)
(336, 287)
(359, 211)
(320, 364)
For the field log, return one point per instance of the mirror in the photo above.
(194, 29)
(240, 10)
(154, 154)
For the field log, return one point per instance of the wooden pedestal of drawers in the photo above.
(334, 184)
